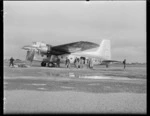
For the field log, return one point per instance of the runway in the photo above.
(61, 90)
(23, 101)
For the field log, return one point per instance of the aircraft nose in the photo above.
(27, 47)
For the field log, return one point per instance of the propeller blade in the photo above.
(30, 55)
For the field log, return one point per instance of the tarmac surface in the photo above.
(61, 90)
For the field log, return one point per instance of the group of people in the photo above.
(80, 62)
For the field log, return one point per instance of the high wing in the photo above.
(72, 47)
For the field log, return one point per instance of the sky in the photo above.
(60, 22)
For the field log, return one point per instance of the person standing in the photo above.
(11, 62)
(75, 62)
(106, 65)
(78, 63)
(68, 63)
(91, 63)
(87, 63)
(58, 62)
(81, 63)
(124, 63)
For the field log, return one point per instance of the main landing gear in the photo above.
(49, 64)
(43, 64)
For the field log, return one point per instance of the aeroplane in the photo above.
(84, 49)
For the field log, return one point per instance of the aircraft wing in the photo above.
(73, 47)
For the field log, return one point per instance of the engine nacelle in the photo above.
(45, 49)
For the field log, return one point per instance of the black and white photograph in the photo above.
(74, 57)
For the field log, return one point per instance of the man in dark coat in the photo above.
(11, 62)
(67, 63)
(58, 62)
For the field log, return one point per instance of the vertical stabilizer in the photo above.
(105, 49)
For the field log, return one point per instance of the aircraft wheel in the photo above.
(50, 64)
(43, 64)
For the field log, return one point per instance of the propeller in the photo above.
(30, 55)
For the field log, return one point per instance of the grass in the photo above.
(131, 71)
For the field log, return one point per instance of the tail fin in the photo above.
(105, 49)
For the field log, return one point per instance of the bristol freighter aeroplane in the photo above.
(71, 51)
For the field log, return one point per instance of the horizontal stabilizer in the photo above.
(108, 61)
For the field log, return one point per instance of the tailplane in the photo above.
(104, 50)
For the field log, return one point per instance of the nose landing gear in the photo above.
(50, 64)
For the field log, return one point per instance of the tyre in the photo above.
(50, 64)
(43, 64)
